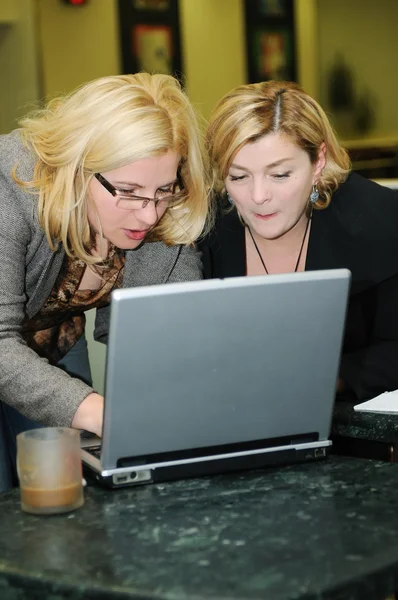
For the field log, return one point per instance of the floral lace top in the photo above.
(58, 325)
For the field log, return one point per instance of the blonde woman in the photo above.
(288, 202)
(103, 188)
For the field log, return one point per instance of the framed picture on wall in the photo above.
(152, 48)
(150, 36)
(270, 42)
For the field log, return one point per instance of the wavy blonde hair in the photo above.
(103, 125)
(249, 112)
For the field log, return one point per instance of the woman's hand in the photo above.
(89, 414)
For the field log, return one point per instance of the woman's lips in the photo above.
(265, 217)
(136, 234)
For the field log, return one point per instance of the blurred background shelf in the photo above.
(375, 158)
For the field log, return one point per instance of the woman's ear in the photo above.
(320, 162)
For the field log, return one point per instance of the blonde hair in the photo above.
(103, 125)
(249, 112)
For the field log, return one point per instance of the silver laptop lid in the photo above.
(207, 363)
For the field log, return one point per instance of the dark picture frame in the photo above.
(150, 36)
(270, 40)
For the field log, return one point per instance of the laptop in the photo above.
(220, 375)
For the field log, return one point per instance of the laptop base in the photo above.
(207, 468)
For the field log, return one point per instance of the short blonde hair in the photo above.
(103, 125)
(249, 112)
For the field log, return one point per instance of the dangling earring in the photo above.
(314, 196)
(231, 202)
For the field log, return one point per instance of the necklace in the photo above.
(301, 247)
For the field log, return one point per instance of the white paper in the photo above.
(386, 403)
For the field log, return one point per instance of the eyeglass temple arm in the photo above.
(108, 186)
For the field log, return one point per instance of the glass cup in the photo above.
(50, 470)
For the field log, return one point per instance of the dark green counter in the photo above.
(364, 435)
(368, 426)
(320, 530)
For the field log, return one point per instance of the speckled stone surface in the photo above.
(313, 531)
(368, 426)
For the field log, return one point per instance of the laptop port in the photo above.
(125, 478)
(121, 479)
(320, 452)
(132, 478)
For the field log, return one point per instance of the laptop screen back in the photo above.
(209, 363)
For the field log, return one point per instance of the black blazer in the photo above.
(358, 231)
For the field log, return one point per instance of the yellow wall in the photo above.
(19, 73)
(77, 43)
(9, 11)
(213, 49)
(81, 43)
(306, 29)
(366, 32)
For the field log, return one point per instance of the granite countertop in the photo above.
(368, 426)
(312, 531)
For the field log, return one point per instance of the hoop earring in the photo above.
(314, 196)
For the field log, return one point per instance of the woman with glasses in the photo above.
(101, 189)
(289, 203)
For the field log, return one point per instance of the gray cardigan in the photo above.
(28, 271)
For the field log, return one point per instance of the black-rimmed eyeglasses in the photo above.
(127, 200)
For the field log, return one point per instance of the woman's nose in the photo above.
(260, 192)
(148, 214)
